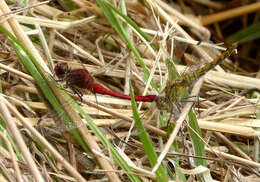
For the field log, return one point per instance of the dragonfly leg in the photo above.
(186, 99)
(59, 80)
(174, 111)
(169, 119)
(17, 83)
(41, 118)
(78, 93)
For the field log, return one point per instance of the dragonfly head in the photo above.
(61, 70)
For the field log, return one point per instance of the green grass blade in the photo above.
(70, 5)
(129, 21)
(249, 33)
(25, 57)
(161, 174)
(5, 131)
(28, 61)
(117, 25)
(108, 146)
(198, 144)
(179, 175)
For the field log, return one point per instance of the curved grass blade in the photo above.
(160, 173)
(199, 148)
(29, 61)
(179, 175)
(2, 143)
(108, 146)
(129, 21)
(249, 33)
(25, 56)
(4, 130)
(117, 25)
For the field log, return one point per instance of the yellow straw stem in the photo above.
(206, 20)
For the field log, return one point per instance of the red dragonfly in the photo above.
(82, 79)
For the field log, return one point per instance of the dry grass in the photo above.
(79, 34)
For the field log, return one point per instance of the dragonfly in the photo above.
(173, 90)
(80, 79)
